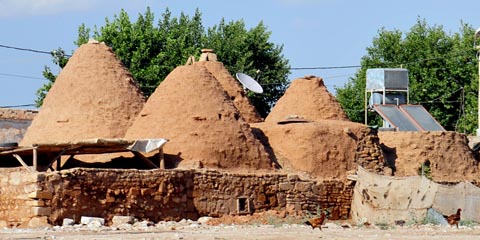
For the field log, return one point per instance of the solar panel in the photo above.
(396, 118)
(422, 117)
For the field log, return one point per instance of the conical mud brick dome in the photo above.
(192, 110)
(233, 89)
(94, 96)
(307, 98)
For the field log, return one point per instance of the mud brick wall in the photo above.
(19, 202)
(18, 114)
(150, 195)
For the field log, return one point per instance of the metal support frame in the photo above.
(384, 91)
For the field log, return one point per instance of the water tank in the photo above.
(390, 98)
(387, 78)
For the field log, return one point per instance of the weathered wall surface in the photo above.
(217, 193)
(13, 130)
(20, 205)
(14, 124)
(153, 195)
(29, 199)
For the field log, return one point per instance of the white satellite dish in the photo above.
(249, 83)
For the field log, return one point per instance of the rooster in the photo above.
(454, 218)
(317, 222)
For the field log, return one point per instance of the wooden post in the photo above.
(59, 163)
(35, 160)
(162, 160)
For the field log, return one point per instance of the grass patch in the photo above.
(467, 223)
(383, 225)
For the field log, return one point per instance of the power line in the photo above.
(21, 76)
(15, 106)
(25, 49)
(331, 67)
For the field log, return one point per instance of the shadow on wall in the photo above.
(171, 160)
(390, 155)
(258, 133)
(117, 163)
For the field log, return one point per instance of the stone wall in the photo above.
(19, 202)
(158, 195)
(151, 195)
(217, 193)
(370, 154)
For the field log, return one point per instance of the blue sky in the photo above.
(314, 33)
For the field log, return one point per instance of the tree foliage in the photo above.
(442, 73)
(60, 59)
(152, 50)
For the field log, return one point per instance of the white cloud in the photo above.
(42, 7)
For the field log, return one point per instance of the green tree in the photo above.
(60, 59)
(442, 73)
(151, 51)
(250, 52)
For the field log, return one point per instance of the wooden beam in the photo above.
(22, 149)
(57, 159)
(22, 162)
(145, 160)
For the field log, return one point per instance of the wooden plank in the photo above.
(17, 150)
(22, 162)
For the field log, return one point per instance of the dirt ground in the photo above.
(194, 230)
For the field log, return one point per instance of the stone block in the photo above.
(92, 221)
(303, 186)
(41, 211)
(293, 177)
(40, 195)
(36, 203)
(68, 222)
(285, 186)
(38, 222)
(120, 220)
